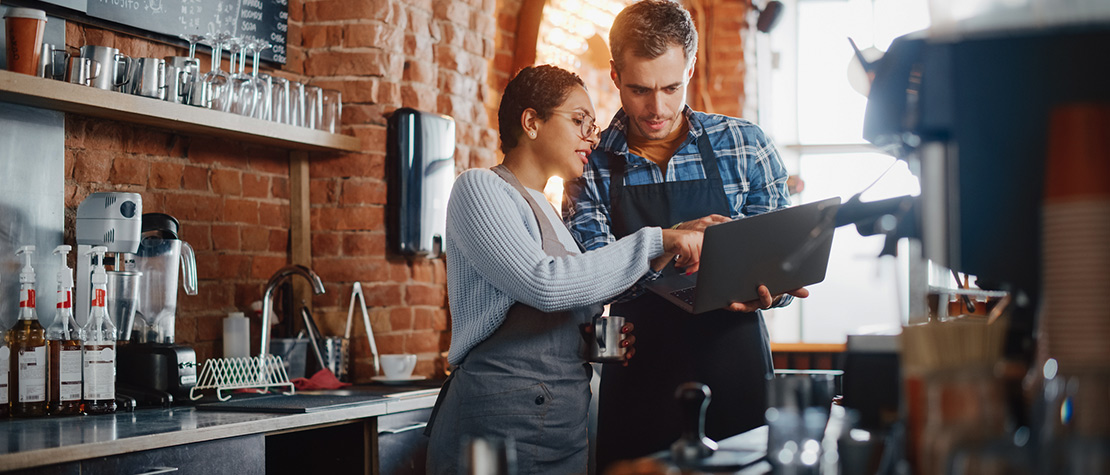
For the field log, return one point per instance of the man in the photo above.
(661, 164)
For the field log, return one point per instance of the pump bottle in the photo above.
(27, 341)
(99, 344)
(64, 338)
(5, 368)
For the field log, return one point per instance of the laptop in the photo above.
(784, 249)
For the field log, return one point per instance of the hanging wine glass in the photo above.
(263, 108)
(240, 94)
(216, 81)
(188, 76)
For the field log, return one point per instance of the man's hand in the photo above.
(765, 300)
(685, 244)
(701, 223)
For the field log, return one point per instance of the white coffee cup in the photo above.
(398, 366)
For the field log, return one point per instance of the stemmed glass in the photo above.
(241, 94)
(217, 82)
(194, 94)
(262, 82)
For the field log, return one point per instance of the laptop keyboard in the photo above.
(685, 295)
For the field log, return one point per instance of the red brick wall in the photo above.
(719, 83)
(233, 199)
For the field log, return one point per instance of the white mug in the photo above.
(398, 366)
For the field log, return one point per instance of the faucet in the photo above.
(267, 304)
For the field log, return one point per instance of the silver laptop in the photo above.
(784, 249)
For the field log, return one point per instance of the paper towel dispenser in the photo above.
(420, 161)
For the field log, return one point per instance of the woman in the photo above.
(520, 288)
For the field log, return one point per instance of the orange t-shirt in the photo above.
(661, 150)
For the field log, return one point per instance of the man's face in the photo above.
(653, 91)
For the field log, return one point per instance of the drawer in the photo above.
(402, 447)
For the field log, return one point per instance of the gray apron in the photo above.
(529, 380)
(728, 351)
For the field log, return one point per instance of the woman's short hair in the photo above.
(542, 88)
(649, 27)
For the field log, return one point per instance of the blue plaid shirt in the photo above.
(753, 174)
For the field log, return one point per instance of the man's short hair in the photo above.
(649, 27)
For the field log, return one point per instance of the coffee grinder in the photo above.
(152, 368)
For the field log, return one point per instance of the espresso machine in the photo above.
(151, 368)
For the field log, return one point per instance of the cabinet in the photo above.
(242, 455)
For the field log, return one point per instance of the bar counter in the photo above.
(50, 441)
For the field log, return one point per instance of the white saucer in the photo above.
(387, 380)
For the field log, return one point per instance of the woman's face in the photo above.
(568, 136)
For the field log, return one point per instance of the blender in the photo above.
(151, 367)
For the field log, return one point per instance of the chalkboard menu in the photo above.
(245, 19)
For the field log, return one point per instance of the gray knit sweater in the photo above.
(495, 259)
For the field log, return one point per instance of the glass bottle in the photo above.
(64, 338)
(99, 345)
(27, 341)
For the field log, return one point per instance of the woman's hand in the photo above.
(686, 245)
(628, 341)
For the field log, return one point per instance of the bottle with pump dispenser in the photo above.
(5, 368)
(99, 344)
(64, 338)
(27, 343)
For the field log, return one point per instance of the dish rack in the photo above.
(252, 372)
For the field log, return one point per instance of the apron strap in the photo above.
(550, 241)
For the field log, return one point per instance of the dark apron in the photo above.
(529, 381)
(728, 351)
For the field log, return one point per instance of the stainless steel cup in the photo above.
(83, 71)
(148, 78)
(605, 344)
(182, 73)
(53, 62)
(116, 67)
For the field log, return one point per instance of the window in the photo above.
(807, 104)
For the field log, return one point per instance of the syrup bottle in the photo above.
(63, 338)
(5, 368)
(27, 341)
(99, 344)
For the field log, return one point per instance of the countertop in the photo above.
(26, 443)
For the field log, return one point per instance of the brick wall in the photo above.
(233, 199)
(719, 85)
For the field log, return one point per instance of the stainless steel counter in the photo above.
(26, 443)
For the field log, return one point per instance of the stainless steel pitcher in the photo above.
(148, 78)
(605, 343)
(115, 67)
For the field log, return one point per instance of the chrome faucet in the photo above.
(275, 280)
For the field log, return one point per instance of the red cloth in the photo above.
(323, 379)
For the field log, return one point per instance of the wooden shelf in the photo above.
(62, 96)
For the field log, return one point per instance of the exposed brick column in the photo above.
(430, 55)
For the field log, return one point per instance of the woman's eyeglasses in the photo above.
(583, 120)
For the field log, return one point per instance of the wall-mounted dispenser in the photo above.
(420, 161)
